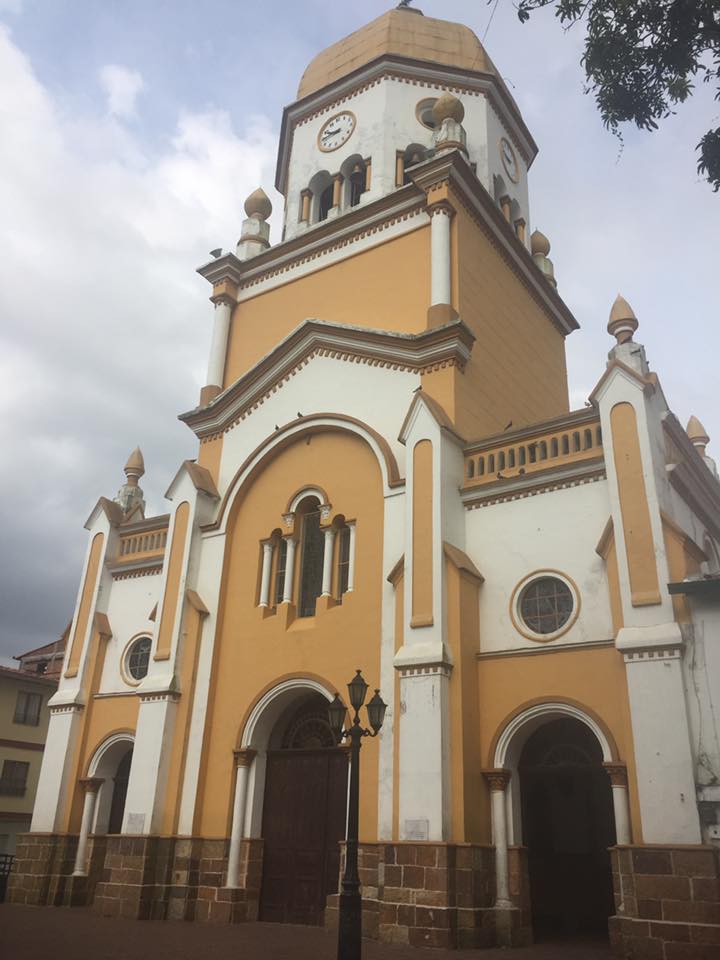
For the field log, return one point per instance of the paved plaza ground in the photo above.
(36, 933)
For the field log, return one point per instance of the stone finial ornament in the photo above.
(539, 244)
(135, 467)
(258, 205)
(448, 107)
(698, 434)
(540, 248)
(622, 323)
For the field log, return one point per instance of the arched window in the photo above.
(325, 203)
(588, 439)
(553, 447)
(565, 444)
(501, 460)
(357, 184)
(481, 466)
(343, 567)
(313, 548)
(280, 568)
(511, 457)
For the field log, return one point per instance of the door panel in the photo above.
(303, 822)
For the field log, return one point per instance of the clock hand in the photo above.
(330, 133)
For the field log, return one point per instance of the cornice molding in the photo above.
(439, 346)
(531, 485)
(568, 421)
(453, 168)
(421, 72)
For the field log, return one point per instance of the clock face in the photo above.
(509, 160)
(336, 131)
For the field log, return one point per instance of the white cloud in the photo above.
(121, 87)
(105, 325)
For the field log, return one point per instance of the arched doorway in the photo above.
(304, 812)
(112, 763)
(119, 793)
(567, 828)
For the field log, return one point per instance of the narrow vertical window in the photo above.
(343, 560)
(357, 184)
(313, 547)
(325, 203)
(280, 571)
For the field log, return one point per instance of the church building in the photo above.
(389, 477)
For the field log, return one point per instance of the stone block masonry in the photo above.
(667, 901)
(437, 895)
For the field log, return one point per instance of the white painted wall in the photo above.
(553, 531)
(129, 606)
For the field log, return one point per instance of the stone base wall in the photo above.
(199, 872)
(667, 901)
(437, 895)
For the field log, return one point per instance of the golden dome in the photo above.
(258, 205)
(446, 106)
(400, 32)
(539, 244)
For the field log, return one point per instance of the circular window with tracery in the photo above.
(137, 659)
(544, 606)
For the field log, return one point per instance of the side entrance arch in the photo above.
(111, 763)
(559, 806)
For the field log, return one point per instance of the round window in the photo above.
(424, 112)
(544, 606)
(137, 658)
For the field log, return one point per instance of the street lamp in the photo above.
(350, 919)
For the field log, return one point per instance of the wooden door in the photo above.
(303, 823)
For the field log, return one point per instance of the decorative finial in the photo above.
(447, 106)
(539, 244)
(135, 467)
(698, 434)
(130, 495)
(623, 322)
(258, 205)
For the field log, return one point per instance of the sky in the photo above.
(131, 133)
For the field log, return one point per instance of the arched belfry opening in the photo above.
(567, 828)
(304, 809)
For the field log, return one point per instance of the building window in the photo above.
(13, 779)
(545, 606)
(343, 560)
(137, 658)
(325, 202)
(280, 571)
(313, 548)
(357, 184)
(27, 708)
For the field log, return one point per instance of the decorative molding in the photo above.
(544, 651)
(148, 567)
(660, 653)
(567, 421)
(497, 779)
(244, 757)
(531, 485)
(67, 708)
(156, 696)
(617, 773)
(425, 669)
(448, 345)
(91, 784)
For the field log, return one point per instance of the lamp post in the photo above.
(350, 919)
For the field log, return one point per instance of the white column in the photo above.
(498, 781)
(243, 761)
(218, 347)
(440, 283)
(266, 568)
(289, 570)
(327, 561)
(621, 805)
(351, 559)
(91, 786)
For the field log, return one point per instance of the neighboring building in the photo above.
(24, 717)
(46, 661)
(389, 476)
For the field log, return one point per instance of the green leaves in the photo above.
(641, 58)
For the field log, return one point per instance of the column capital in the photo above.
(617, 772)
(441, 207)
(497, 778)
(244, 757)
(91, 784)
(224, 291)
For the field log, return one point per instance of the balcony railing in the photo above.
(136, 546)
(533, 453)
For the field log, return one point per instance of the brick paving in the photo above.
(36, 933)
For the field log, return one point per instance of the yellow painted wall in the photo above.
(254, 651)
(14, 735)
(592, 679)
(517, 369)
(422, 568)
(385, 288)
(78, 637)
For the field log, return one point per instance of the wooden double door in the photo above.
(303, 824)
